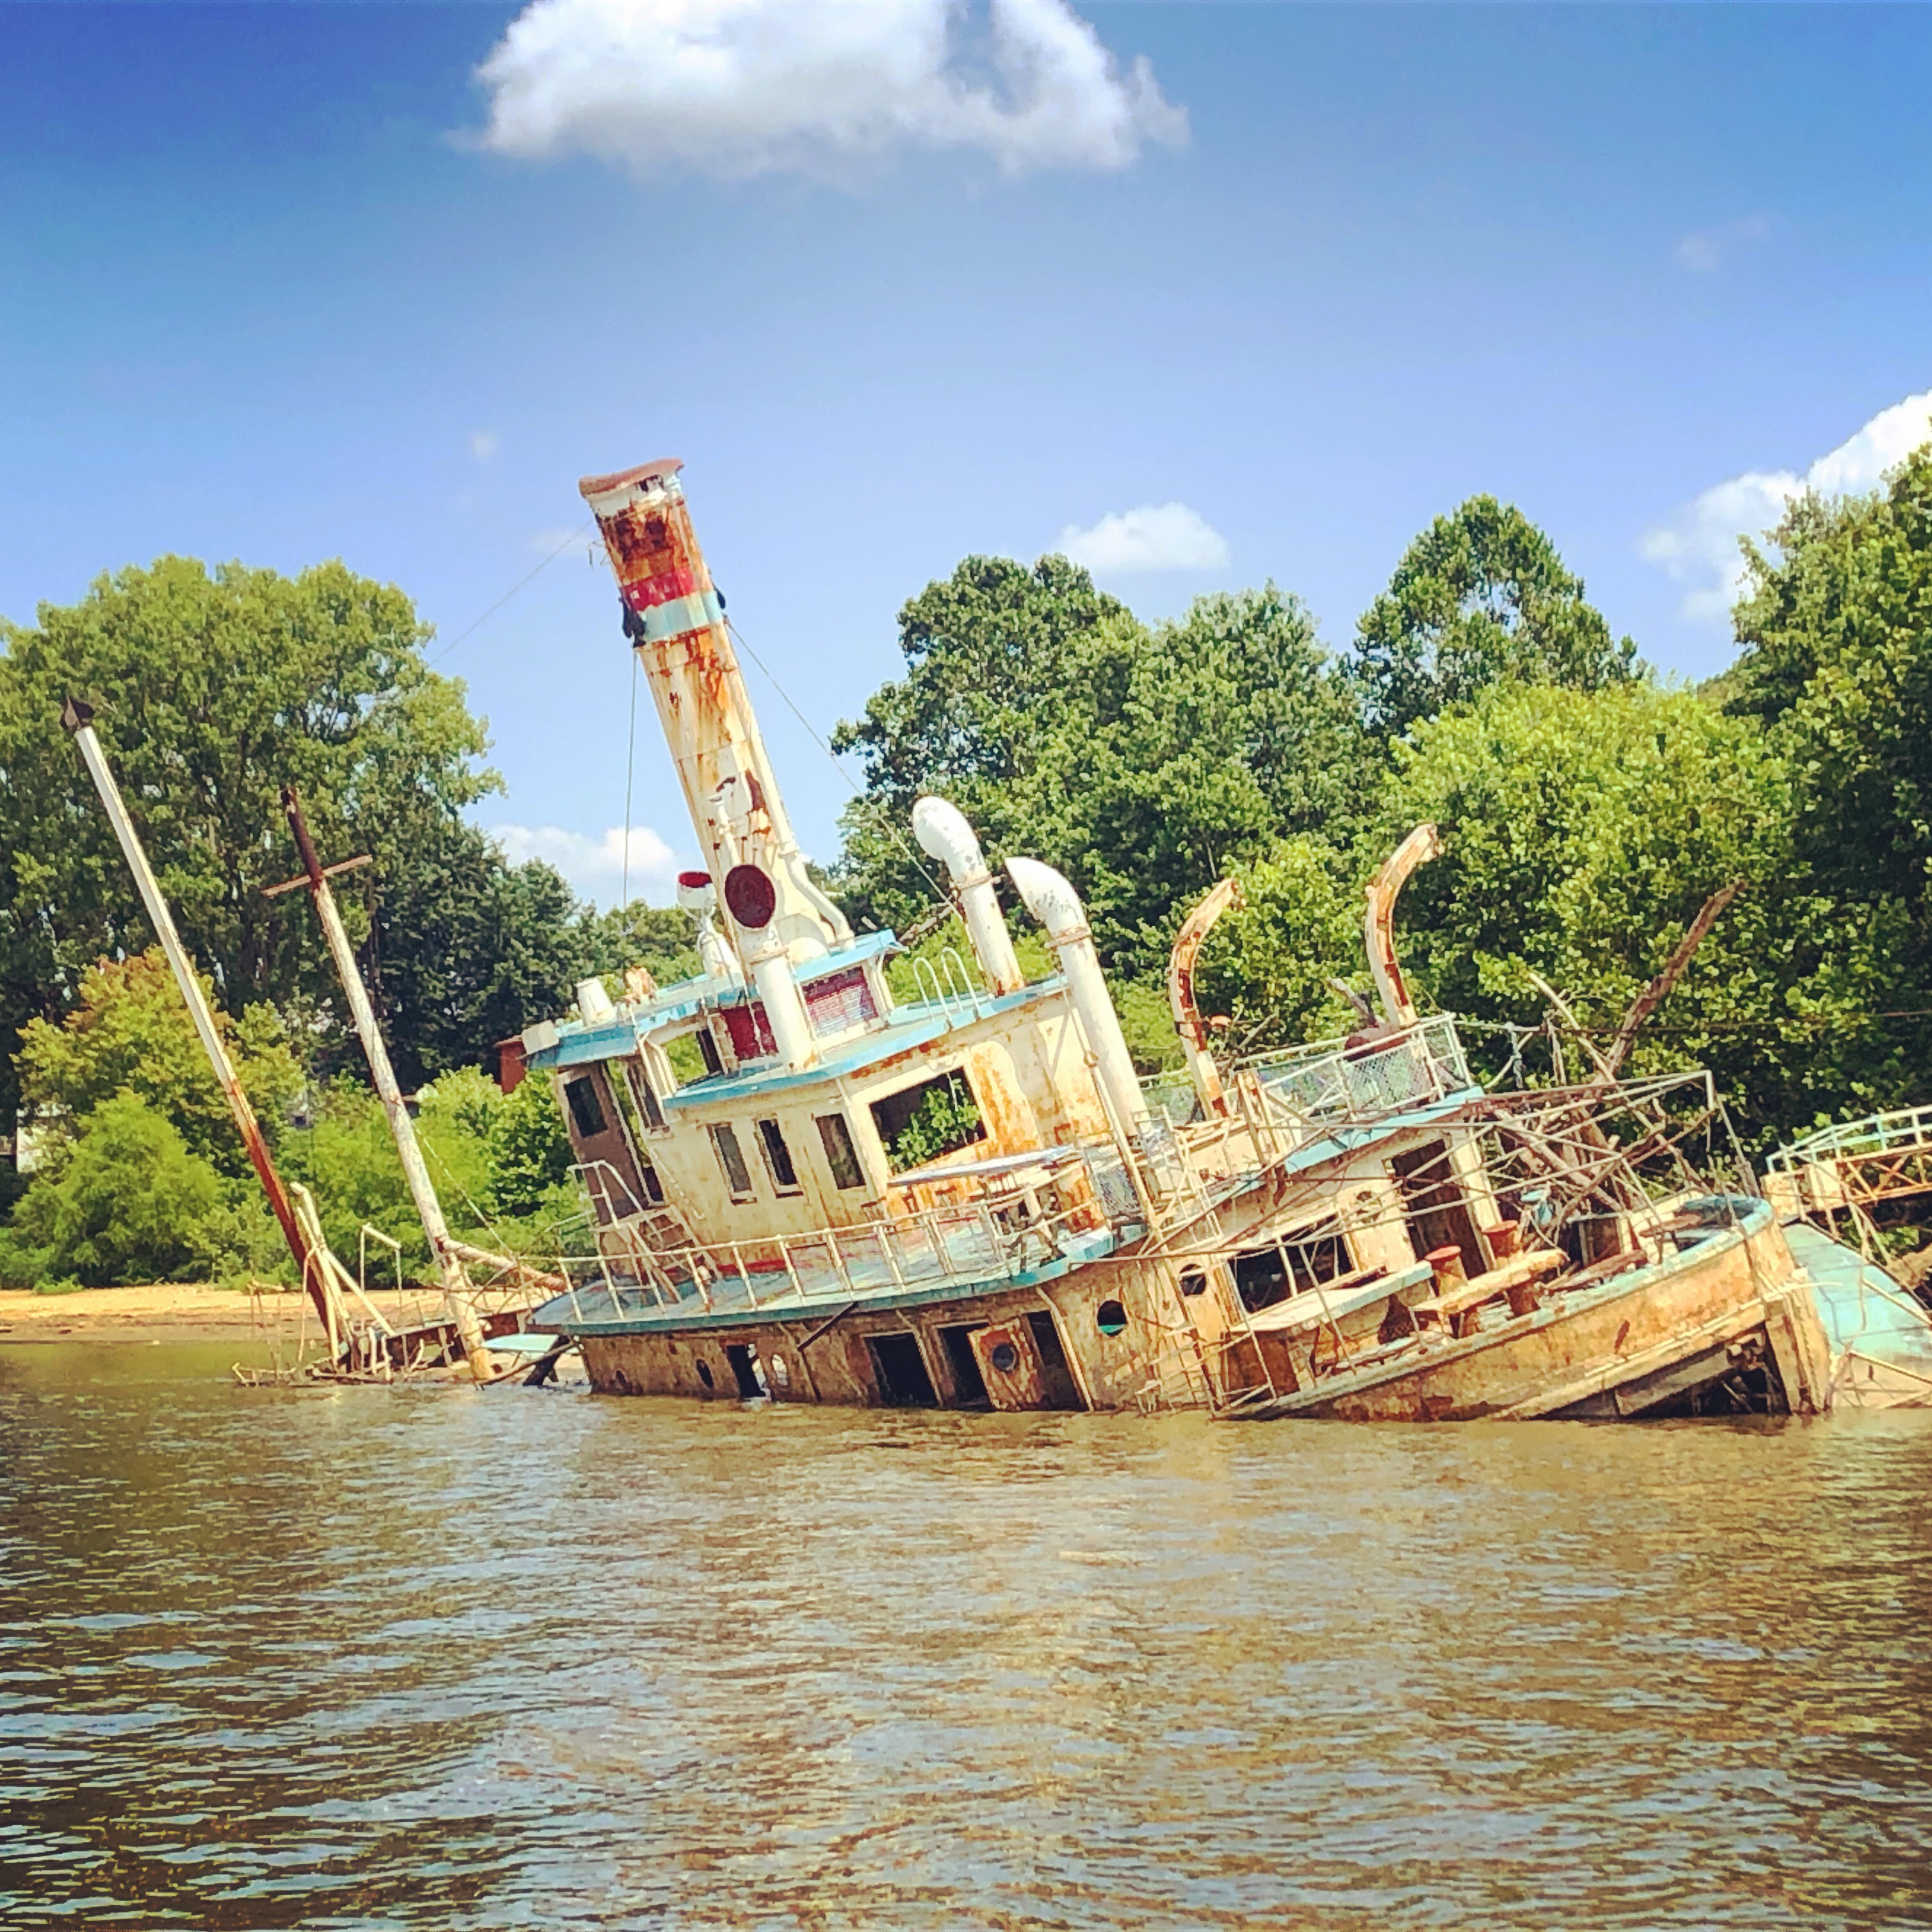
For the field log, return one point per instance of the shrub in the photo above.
(126, 1203)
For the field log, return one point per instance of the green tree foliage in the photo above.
(127, 1203)
(995, 656)
(530, 1153)
(129, 1032)
(1480, 598)
(1836, 631)
(1583, 830)
(1267, 963)
(1141, 763)
(1236, 729)
(213, 690)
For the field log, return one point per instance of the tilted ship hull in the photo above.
(804, 1190)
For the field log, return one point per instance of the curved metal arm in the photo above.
(1187, 1021)
(1378, 924)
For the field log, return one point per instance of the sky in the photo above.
(1204, 294)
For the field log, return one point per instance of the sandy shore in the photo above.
(165, 1312)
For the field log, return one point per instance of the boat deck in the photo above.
(818, 1277)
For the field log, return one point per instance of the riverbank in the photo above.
(164, 1312)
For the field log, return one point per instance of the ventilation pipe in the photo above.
(777, 986)
(594, 1006)
(943, 834)
(1056, 906)
(698, 896)
(1378, 921)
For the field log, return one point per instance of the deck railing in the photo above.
(1908, 1128)
(1332, 1081)
(968, 1243)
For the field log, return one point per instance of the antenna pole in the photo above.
(456, 1287)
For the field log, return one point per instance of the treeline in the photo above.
(1588, 807)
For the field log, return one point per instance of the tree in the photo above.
(129, 1032)
(1583, 831)
(1267, 963)
(1836, 632)
(126, 1204)
(1236, 731)
(211, 691)
(1480, 598)
(1002, 663)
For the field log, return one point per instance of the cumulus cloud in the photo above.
(594, 866)
(1157, 536)
(1705, 249)
(1699, 546)
(743, 87)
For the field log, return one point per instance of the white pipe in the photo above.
(943, 834)
(784, 1005)
(1054, 903)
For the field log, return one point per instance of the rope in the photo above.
(472, 628)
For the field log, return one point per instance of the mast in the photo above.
(76, 718)
(456, 1288)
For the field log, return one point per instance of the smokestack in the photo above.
(675, 618)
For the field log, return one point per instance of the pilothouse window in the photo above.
(586, 1111)
(778, 1157)
(731, 1159)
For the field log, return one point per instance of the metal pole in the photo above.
(77, 719)
(429, 1209)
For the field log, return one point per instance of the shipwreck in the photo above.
(803, 1190)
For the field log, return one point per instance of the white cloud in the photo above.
(744, 87)
(1704, 249)
(595, 867)
(484, 444)
(1700, 548)
(1163, 536)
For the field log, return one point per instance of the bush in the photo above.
(529, 1153)
(127, 1203)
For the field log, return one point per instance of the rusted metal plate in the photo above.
(1009, 1361)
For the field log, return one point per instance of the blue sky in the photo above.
(282, 283)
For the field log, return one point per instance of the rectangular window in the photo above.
(643, 1095)
(731, 1159)
(751, 1032)
(841, 1156)
(707, 1047)
(920, 1123)
(586, 1111)
(778, 1157)
(653, 1186)
(840, 999)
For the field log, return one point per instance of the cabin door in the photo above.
(1024, 1364)
(1433, 1199)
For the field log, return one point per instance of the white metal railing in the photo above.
(1333, 1081)
(971, 1242)
(1877, 1134)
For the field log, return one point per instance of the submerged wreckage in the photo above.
(806, 1190)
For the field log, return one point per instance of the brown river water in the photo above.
(368, 1659)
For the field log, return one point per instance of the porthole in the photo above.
(1111, 1318)
(1193, 1281)
(1004, 1357)
(704, 1375)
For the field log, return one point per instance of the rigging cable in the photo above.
(582, 529)
(630, 766)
